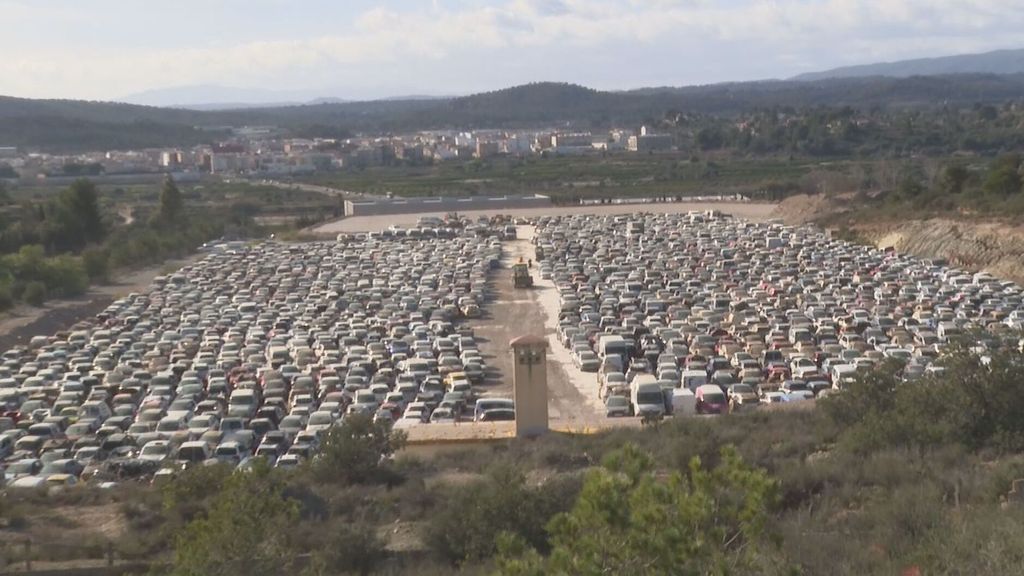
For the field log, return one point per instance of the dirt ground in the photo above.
(755, 211)
(534, 311)
(19, 325)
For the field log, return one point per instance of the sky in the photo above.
(358, 49)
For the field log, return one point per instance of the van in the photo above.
(842, 374)
(711, 400)
(194, 452)
(647, 397)
(693, 379)
(243, 403)
(684, 402)
(613, 344)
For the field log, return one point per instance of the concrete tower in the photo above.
(530, 377)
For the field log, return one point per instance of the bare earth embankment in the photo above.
(990, 246)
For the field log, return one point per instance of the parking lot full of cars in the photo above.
(256, 351)
(704, 314)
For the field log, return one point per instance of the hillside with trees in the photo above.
(63, 125)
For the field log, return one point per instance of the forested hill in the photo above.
(64, 125)
(997, 62)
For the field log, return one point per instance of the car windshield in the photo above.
(714, 398)
(53, 468)
(155, 449)
(20, 468)
(320, 419)
(649, 398)
(617, 401)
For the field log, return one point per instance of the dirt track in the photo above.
(748, 210)
(519, 312)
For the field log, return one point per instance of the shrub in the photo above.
(97, 264)
(351, 548)
(629, 519)
(470, 518)
(35, 293)
(65, 275)
(357, 451)
(6, 296)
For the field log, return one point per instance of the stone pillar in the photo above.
(530, 382)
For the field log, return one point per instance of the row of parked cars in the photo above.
(719, 314)
(256, 351)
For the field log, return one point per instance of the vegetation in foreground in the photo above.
(887, 477)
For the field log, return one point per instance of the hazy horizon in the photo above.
(114, 49)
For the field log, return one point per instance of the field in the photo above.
(619, 175)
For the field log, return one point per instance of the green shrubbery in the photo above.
(973, 403)
(33, 277)
(886, 477)
(629, 519)
(466, 529)
(60, 246)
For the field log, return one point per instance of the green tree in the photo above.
(974, 402)
(78, 218)
(171, 202)
(468, 526)
(97, 264)
(245, 533)
(630, 520)
(954, 178)
(35, 293)
(1004, 177)
(5, 194)
(357, 451)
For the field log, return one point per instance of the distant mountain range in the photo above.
(215, 97)
(997, 62)
(72, 125)
(211, 97)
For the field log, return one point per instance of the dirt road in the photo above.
(573, 403)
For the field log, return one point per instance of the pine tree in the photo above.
(171, 203)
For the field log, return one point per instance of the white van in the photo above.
(842, 374)
(684, 402)
(646, 395)
(609, 344)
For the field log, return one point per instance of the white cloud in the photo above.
(788, 35)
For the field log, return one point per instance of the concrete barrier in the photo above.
(442, 204)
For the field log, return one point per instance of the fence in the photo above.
(66, 559)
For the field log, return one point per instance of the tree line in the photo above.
(56, 248)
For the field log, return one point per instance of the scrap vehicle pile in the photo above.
(254, 351)
(722, 314)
